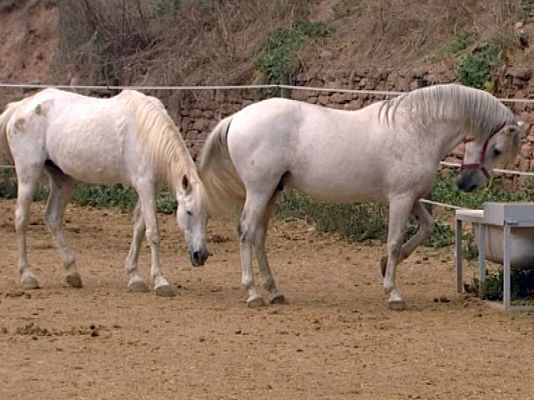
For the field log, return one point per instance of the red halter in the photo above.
(480, 165)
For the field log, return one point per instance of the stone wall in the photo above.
(197, 112)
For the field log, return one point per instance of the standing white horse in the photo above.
(389, 151)
(128, 139)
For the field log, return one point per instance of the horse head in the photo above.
(501, 147)
(192, 218)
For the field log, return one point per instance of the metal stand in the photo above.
(507, 216)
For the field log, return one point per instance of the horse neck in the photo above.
(451, 135)
(173, 161)
(161, 140)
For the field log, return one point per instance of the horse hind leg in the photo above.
(61, 187)
(250, 221)
(263, 263)
(26, 181)
(426, 227)
(136, 283)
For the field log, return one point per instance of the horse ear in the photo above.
(186, 185)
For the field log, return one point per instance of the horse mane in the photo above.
(480, 111)
(160, 138)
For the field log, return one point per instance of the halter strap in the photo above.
(480, 164)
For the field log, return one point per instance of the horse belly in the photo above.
(89, 157)
(339, 185)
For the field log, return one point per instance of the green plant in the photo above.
(166, 203)
(164, 7)
(522, 285)
(475, 70)
(8, 184)
(278, 59)
(353, 221)
(461, 42)
(445, 190)
(526, 8)
(458, 44)
(442, 236)
(105, 196)
(470, 248)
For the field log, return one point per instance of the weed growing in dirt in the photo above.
(475, 70)
(164, 7)
(445, 190)
(353, 221)
(522, 285)
(279, 60)
(454, 47)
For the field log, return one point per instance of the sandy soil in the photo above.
(335, 340)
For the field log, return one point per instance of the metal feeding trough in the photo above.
(504, 233)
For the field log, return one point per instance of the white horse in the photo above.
(389, 151)
(128, 139)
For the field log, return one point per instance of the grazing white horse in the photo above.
(128, 139)
(389, 152)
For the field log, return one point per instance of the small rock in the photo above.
(444, 299)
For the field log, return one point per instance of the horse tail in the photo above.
(5, 117)
(223, 186)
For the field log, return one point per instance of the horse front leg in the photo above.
(147, 197)
(399, 211)
(136, 283)
(61, 187)
(426, 227)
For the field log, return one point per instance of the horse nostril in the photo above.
(472, 188)
(196, 256)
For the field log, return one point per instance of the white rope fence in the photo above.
(228, 87)
(267, 86)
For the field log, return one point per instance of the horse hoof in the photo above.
(256, 302)
(74, 281)
(383, 265)
(165, 291)
(138, 286)
(279, 299)
(397, 305)
(29, 283)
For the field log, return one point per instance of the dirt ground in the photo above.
(336, 339)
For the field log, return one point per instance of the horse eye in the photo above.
(496, 152)
(189, 212)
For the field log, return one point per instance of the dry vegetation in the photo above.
(162, 42)
(220, 41)
(401, 33)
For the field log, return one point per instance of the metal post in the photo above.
(459, 256)
(481, 260)
(285, 92)
(506, 266)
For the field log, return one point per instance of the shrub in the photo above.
(522, 285)
(278, 59)
(476, 69)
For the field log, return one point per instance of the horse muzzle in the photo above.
(470, 180)
(198, 257)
